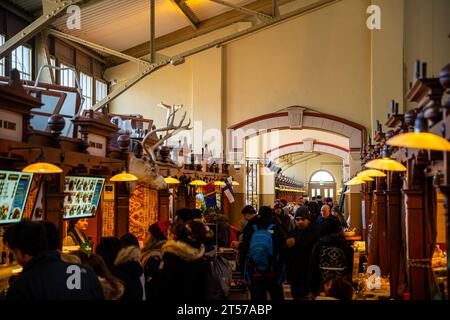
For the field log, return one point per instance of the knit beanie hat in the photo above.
(303, 212)
(159, 229)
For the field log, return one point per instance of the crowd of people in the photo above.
(300, 245)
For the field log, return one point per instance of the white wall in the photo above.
(427, 30)
(303, 171)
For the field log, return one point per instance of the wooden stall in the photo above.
(402, 209)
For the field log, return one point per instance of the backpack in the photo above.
(332, 262)
(261, 249)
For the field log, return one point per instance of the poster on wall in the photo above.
(38, 211)
(83, 196)
(14, 189)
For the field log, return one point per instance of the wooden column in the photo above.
(122, 208)
(54, 200)
(367, 199)
(417, 274)
(372, 234)
(394, 231)
(164, 198)
(381, 230)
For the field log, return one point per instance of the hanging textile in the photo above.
(143, 210)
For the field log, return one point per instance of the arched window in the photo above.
(322, 176)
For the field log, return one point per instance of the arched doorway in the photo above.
(322, 183)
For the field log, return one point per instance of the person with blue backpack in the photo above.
(264, 262)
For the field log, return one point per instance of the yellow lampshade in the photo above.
(219, 183)
(372, 173)
(42, 168)
(198, 183)
(420, 140)
(123, 177)
(235, 183)
(170, 180)
(386, 164)
(364, 178)
(354, 182)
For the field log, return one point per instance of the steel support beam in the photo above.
(257, 14)
(97, 47)
(152, 31)
(44, 40)
(187, 13)
(52, 10)
(179, 58)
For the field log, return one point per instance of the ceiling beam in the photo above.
(52, 10)
(186, 12)
(244, 10)
(97, 47)
(16, 10)
(204, 27)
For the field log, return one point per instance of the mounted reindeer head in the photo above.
(146, 168)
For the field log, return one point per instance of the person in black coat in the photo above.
(151, 258)
(45, 276)
(332, 255)
(184, 268)
(251, 218)
(314, 209)
(123, 262)
(300, 243)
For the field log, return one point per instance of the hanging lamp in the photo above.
(198, 183)
(385, 163)
(170, 180)
(354, 182)
(123, 177)
(420, 138)
(364, 178)
(372, 173)
(42, 168)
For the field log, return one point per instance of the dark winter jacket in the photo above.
(128, 269)
(297, 257)
(183, 272)
(316, 273)
(151, 261)
(244, 244)
(46, 277)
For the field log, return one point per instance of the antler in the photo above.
(170, 126)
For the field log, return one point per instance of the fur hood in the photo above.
(110, 292)
(183, 250)
(153, 250)
(128, 254)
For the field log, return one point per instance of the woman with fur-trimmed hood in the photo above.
(151, 258)
(184, 267)
(128, 269)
